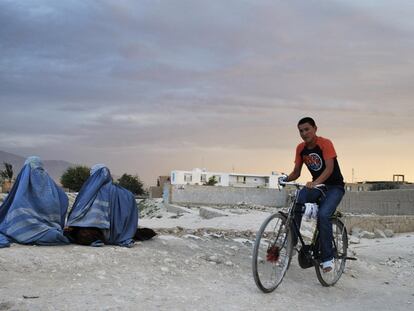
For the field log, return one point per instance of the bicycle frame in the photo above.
(291, 222)
(291, 215)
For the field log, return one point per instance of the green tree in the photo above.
(211, 181)
(132, 183)
(7, 173)
(74, 177)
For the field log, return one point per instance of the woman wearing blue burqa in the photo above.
(35, 209)
(103, 212)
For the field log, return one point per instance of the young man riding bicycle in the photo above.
(319, 156)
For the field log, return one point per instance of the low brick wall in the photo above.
(398, 224)
(385, 202)
(209, 195)
(155, 192)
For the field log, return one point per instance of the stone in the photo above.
(379, 234)
(355, 231)
(208, 212)
(214, 259)
(389, 233)
(354, 240)
(367, 235)
(172, 208)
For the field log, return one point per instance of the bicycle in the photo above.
(273, 248)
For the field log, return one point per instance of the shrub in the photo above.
(74, 177)
(211, 181)
(7, 173)
(132, 183)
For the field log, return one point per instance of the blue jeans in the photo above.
(327, 207)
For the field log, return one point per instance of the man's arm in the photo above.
(329, 166)
(296, 172)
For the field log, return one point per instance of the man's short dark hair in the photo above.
(307, 120)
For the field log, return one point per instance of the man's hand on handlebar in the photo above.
(282, 179)
(310, 184)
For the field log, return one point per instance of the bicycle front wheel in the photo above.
(272, 252)
(340, 248)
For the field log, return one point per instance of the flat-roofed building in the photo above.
(199, 176)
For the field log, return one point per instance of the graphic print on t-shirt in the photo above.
(313, 161)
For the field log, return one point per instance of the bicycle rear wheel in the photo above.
(340, 248)
(271, 253)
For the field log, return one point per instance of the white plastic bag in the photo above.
(311, 211)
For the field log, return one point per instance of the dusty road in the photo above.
(197, 273)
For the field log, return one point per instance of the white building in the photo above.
(201, 176)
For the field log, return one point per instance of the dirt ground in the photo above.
(188, 272)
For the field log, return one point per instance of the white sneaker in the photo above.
(327, 266)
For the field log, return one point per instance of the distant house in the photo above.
(199, 176)
(367, 185)
(156, 191)
(359, 186)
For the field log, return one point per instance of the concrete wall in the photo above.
(208, 195)
(371, 222)
(155, 192)
(385, 202)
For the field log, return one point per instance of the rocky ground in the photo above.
(203, 264)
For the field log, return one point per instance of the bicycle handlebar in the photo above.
(299, 185)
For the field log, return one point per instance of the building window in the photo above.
(348, 188)
(241, 179)
(203, 178)
(173, 177)
(188, 177)
(360, 188)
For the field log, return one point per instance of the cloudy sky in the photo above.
(151, 86)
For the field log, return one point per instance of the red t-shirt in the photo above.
(315, 159)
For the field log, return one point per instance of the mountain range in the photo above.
(55, 168)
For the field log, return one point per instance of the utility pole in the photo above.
(353, 175)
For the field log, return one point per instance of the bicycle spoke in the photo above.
(340, 246)
(271, 253)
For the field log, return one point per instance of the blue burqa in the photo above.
(35, 209)
(104, 205)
